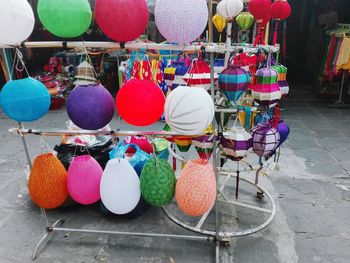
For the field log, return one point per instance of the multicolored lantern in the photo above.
(204, 146)
(236, 143)
(90, 107)
(140, 102)
(65, 18)
(189, 110)
(198, 75)
(282, 79)
(122, 20)
(284, 130)
(16, 21)
(233, 81)
(230, 8)
(265, 139)
(25, 100)
(280, 10)
(260, 9)
(181, 21)
(173, 74)
(220, 23)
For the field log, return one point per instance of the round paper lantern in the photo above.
(141, 142)
(90, 107)
(233, 81)
(189, 110)
(265, 139)
(140, 102)
(25, 100)
(83, 181)
(219, 22)
(198, 75)
(16, 21)
(245, 20)
(120, 187)
(283, 130)
(157, 182)
(65, 18)
(173, 74)
(122, 20)
(280, 10)
(230, 8)
(195, 191)
(282, 79)
(181, 21)
(48, 182)
(260, 9)
(236, 143)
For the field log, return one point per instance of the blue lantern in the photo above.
(25, 100)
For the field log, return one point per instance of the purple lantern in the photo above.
(90, 107)
(284, 131)
(236, 143)
(265, 139)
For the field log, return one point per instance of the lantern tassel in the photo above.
(275, 33)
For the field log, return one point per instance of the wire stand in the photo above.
(339, 104)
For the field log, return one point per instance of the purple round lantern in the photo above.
(265, 139)
(90, 107)
(283, 130)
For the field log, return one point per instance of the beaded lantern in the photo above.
(265, 139)
(233, 81)
(173, 74)
(236, 143)
(198, 75)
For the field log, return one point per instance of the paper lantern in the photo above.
(245, 20)
(90, 107)
(183, 144)
(282, 79)
(260, 9)
(265, 139)
(16, 21)
(173, 74)
(48, 182)
(230, 8)
(157, 182)
(189, 110)
(142, 142)
(65, 18)
(283, 130)
(204, 146)
(120, 187)
(266, 90)
(140, 102)
(219, 22)
(280, 10)
(122, 20)
(236, 143)
(25, 100)
(198, 75)
(233, 81)
(195, 191)
(83, 181)
(181, 21)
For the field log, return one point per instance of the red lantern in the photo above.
(280, 10)
(122, 20)
(260, 9)
(140, 102)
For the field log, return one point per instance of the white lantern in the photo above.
(236, 143)
(189, 110)
(120, 187)
(16, 21)
(230, 8)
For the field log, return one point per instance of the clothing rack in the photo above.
(218, 237)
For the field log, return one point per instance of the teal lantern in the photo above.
(65, 18)
(25, 100)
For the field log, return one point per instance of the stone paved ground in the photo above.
(311, 190)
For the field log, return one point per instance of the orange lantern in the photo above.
(48, 182)
(195, 191)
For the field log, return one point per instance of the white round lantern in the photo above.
(16, 21)
(189, 110)
(236, 143)
(181, 21)
(230, 8)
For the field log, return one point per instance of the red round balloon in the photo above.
(140, 102)
(260, 9)
(122, 20)
(280, 10)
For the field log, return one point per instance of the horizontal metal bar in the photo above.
(267, 211)
(186, 237)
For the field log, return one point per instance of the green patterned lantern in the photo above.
(157, 182)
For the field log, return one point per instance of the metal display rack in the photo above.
(223, 176)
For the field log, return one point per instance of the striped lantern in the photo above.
(265, 139)
(198, 75)
(204, 146)
(233, 81)
(282, 79)
(173, 74)
(236, 143)
(266, 90)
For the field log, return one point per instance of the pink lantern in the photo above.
(198, 75)
(122, 20)
(83, 181)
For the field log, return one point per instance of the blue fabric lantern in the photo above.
(25, 100)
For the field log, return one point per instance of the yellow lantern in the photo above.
(219, 23)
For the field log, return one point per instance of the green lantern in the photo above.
(157, 182)
(65, 18)
(245, 20)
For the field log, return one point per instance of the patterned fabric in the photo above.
(174, 73)
(265, 139)
(198, 75)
